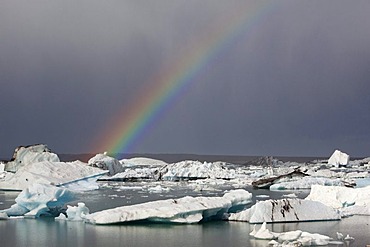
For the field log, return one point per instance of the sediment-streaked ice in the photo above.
(286, 210)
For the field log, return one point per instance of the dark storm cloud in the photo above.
(296, 83)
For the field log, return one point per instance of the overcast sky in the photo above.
(297, 82)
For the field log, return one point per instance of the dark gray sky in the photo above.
(296, 83)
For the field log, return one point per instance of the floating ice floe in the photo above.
(292, 195)
(158, 189)
(40, 199)
(296, 238)
(183, 210)
(349, 201)
(106, 162)
(286, 210)
(47, 172)
(306, 183)
(267, 182)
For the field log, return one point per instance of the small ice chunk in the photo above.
(77, 213)
(264, 233)
(3, 216)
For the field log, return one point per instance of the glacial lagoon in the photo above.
(46, 231)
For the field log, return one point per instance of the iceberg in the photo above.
(286, 210)
(40, 199)
(106, 162)
(306, 183)
(196, 170)
(183, 210)
(48, 172)
(338, 158)
(349, 201)
(266, 182)
(30, 154)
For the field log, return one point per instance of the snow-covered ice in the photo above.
(286, 210)
(183, 210)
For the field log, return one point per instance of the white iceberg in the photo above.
(196, 170)
(106, 162)
(40, 199)
(183, 210)
(338, 158)
(47, 172)
(286, 210)
(30, 154)
(350, 201)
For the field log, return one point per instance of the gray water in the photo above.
(50, 232)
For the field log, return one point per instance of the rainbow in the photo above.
(126, 128)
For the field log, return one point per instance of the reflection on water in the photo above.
(47, 232)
